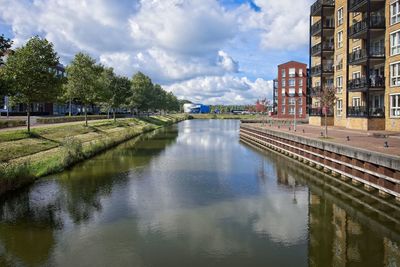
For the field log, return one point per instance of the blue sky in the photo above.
(210, 51)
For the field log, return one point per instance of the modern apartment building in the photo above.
(290, 91)
(355, 49)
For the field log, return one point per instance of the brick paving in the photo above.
(367, 140)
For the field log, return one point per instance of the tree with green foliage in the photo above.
(83, 81)
(142, 92)
(5, 45)
(327, 99)
(118, 93)
(31, 74)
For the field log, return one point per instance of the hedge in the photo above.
(11, 123)
(51, 120)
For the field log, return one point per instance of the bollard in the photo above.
(348, 138)
(386, 144)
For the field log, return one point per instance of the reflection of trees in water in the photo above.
(28, 218)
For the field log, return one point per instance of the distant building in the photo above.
(196, 108)
(290, 91)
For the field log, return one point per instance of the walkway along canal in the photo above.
(193, 194)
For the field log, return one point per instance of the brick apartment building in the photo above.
(355, 48)
(290, 91)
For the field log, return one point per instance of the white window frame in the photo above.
(339, 84)
(356, 101)
(340, 39)
(395, 74)
(300, 72)
(395, 110)
(292, 72)
(300, 82)
(283, 73)
(292, 82)
(340, 16)
(283, 91)
(394, 12)
(283, 83)
(395, 43)
(291, 110)
(339, 107)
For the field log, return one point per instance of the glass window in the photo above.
(395, 12)
(339, 84)
(340, 39)
(340, 16)
(291, 110)
(292, 101)
(395, 74)
(291, 82)
(395, 43)
(300, 72)
(283, 83)
(283, 91)
(395, 105)
(300, 110)
(292, 72)
(339, 107)
(300, 82)
(283, 73)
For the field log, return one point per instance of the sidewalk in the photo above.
(371, 140)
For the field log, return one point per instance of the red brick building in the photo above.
(290, 92)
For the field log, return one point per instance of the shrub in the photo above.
(73, 150)
(11, 123)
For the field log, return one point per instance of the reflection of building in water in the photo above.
(337, 239)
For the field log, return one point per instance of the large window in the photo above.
(339, 107)
(292, 101)
(395, 105)
(292, 72)
(394, 12)
(395, 43)
(340, 39)
(283, 73)
(339, 84)
(301, 82)
(292, 82)
(300, 72)
(291, 110)
(340, 16)
(283, 83)
(395, 74)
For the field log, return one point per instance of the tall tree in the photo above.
(327, 100)
(31, 74)
(83, 80)
(5, 45)
(142, 89)
(118, 93)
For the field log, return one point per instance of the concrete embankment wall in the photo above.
(373, 170)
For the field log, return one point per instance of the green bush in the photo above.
(73, 151)
(11, 123)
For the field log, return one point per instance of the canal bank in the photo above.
(375, 171)
(26, 157)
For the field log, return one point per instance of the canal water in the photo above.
(194, 195)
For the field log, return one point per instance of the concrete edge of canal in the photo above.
(374, 171)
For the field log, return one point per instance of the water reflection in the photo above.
(192, 195)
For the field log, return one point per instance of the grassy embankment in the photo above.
(223, 116)
(25, 157)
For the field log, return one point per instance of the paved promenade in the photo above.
(371, 140)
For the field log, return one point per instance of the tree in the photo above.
(31, 74)
(118, 91)
(141, 89)
(327, 100)
(83, 80)
(5, 45)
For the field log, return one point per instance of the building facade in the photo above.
(290, 91)
(355, 49)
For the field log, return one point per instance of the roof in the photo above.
(292, 61)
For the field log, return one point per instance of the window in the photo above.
(356, 101)
(340, 39)
(395, 74)
(395, 105)
(300, 82)
(283, 83)
(283, 91)
(291, 82)
(300, 72)
(292, 72)
(300, 90)
(340, 16)
(283, 73)
(300, 110)
(395, 43)
(339, 84)
(356, 75)
(395, 12)
(283, 110)
(292, 101)
(339, 107)
(292, 91)
(300, 101)
(283, 101)
(291, 110)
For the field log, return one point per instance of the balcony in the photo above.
(316, 8)
(362, 5)
(360, 57)
(319, 112)
(317, 27)
(359, 29)
(325, 68)
(315, 91)
(362, 84)
(357, 112)
(324, 47)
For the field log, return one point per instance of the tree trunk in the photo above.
(326, 125)
(115, 117)
(70, 107)
(86, 118)
(28, 113)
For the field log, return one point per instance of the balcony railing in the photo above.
(360, 5)
(357, 111)
(361, 54)
(316, 7)
(377, 112)
(325, 68)
(375, 22)
(320, 112)
(363, 83)
(324, 46)
(316, 28)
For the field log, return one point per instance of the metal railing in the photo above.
(320, 112)
(319, 3)
(375, 22)
(361, 54)
(357, 111)
(364, 82)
